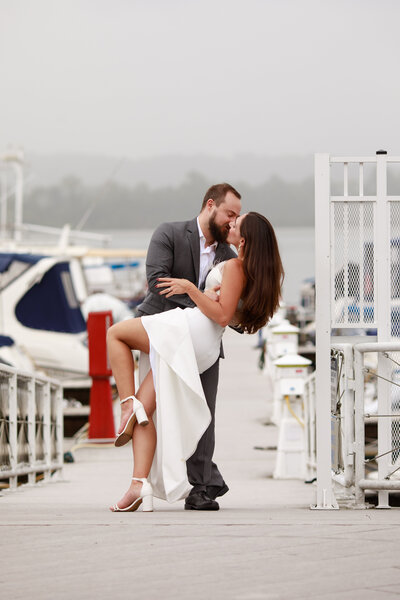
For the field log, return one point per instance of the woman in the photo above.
(182, 344)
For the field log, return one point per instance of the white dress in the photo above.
(183, 343)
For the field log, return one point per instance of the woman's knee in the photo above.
(112, 333)
(129, 332)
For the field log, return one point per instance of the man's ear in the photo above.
(210, 203)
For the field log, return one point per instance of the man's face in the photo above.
(223, 215)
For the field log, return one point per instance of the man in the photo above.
(187, 250)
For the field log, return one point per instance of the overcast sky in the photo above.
(141, 78)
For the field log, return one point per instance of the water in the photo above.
(296, 245)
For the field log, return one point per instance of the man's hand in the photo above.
(212, 293)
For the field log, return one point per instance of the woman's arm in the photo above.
(231, 289)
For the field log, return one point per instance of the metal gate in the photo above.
(357, 224)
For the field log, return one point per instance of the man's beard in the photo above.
(219, 232)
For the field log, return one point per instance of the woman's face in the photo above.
(234, 232)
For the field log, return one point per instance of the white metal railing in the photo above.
(31, 427)
(342, 418)
(357, 235)
(342, 414)
(349, 418)
(388, 418)
(310, 446)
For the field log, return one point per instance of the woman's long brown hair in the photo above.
(263, 271)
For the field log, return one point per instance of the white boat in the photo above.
(40, 311)
(44, 287)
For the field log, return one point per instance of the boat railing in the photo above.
(31, 428)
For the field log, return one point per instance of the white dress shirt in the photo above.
(207, 256)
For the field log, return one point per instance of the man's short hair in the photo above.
(218, 192)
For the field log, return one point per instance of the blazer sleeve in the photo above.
(160, 262)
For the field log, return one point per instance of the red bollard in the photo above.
(101, 419)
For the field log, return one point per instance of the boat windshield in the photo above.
(13, 265)
(51, 303)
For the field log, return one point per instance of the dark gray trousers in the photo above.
(201, 470)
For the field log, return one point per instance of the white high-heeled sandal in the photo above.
(138, 414)
(145, 497)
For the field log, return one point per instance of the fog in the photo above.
(144, 78)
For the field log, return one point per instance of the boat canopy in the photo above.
(51, 303)
(6, 258)
(14, 264)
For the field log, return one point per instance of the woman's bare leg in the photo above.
(144, 438)
(143, 442)
(122, 338)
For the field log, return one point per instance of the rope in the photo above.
(390, 358)
(366, 370)
(380, 455)
(392, 473)
(369, 416)
(92, 445)
(292, 411)
(82, 441)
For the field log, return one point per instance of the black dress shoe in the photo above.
(200, 501)
(213, 491)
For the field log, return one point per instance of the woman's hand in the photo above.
(212, 293)
(173, 286)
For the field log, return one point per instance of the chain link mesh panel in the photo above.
(353, 264)
(395, 323)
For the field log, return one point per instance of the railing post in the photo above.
(359, 426)
(31, 428)
(59, 427)
(46, 431)
(325, 495)
(383, 291)
(12, 432)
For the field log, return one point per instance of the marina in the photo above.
(44, 296)
(264, 542)
(275, 124)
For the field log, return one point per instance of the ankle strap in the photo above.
(142, 479)
(126, 399)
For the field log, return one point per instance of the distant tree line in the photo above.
(114, 206)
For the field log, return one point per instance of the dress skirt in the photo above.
(183, 343)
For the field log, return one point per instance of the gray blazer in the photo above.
(174, 251)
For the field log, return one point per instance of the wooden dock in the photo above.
(59, 541)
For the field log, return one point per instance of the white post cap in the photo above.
(292, 360)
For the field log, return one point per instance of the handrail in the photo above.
(382, 484)
(31, 427)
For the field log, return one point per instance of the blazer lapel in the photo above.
(220, 253)
(194, 243)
